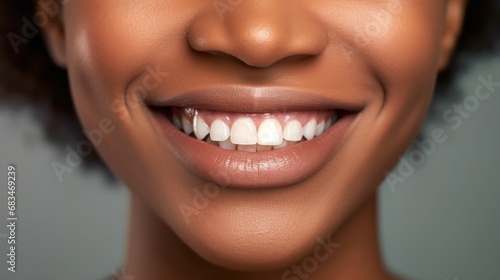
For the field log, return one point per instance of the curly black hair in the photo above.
(28, 73)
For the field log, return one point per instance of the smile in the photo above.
(252, 132)
(255, 140)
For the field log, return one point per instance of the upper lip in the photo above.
(251, 99)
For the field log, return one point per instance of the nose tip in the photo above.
(258, 35)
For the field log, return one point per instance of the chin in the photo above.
(252, 242)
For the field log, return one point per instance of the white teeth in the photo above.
(200, 127)
(328, 123)
(176, 122)
(331, 121)
(334, 120)
(320, 128)
(310, 129)
(227, 145)
(270, 133)
(247, 148)
(186, 125)
(293, 131)
(243, 135)
(244, 132)
(219, 131)
(282, 145)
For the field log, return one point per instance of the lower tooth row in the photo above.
(244, 135)
(228, 145)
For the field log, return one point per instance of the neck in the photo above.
(155, 252)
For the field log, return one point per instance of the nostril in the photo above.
(258, 35)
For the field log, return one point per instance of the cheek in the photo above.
(396, 44)
(405, 55)
(406, 62)
(402, 56)
(110, 45)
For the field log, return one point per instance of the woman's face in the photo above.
(332, 92)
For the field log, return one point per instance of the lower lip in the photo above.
(266, 169)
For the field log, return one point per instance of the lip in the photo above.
(240, 98)
(265, 169)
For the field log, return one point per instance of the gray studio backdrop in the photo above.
(439, 220)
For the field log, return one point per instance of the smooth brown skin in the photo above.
(106, 45)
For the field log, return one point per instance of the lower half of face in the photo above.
(248, 126)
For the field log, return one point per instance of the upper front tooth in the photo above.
(270, 133)
(200, 127)
(310, 129)
(244, 132)
(186, 125)
(219, 131)
(293, 131)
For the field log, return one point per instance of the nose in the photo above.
(258, 33)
